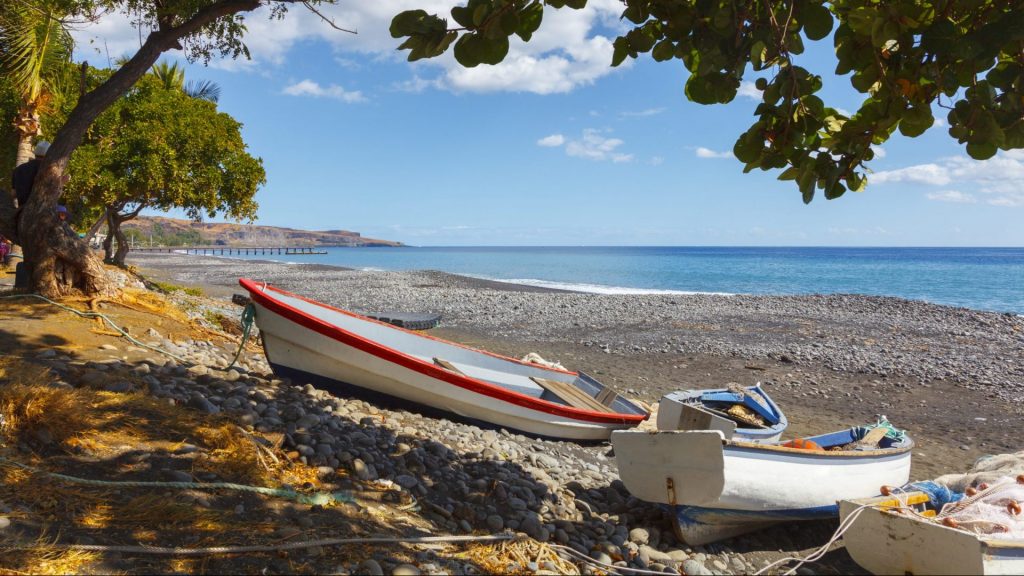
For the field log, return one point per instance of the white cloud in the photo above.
(642, 113)
(749, 90)
(995, 181)
(657, 161)
(954, 196)
(921, 173)
(703, 152)
(310, 88)
(572, 48)
(879, 152)
(551, 141)
(593, 146)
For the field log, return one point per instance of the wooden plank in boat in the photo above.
(873, 437)
(571, 394)
(606, 396)
(448, 366)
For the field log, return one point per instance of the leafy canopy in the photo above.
(161, 148)
(906, 56)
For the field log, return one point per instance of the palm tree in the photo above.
(173, 78)
(35, 47)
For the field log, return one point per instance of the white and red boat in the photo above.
(348, 354)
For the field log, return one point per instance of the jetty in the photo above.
(235, 250)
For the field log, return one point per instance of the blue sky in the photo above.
(554, 147)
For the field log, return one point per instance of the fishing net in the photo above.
(986, 470)
(994, 511)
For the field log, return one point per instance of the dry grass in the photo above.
(499, 558)
(89, 431)
(46, 560)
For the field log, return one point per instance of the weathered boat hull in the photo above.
(669, 413)
(883, 542)
(718, 488)
(302, 337)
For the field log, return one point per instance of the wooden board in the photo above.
(571, 395)
(448, 366)
(606, 396)
(693, 418)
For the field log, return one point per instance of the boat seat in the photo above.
(572, 395)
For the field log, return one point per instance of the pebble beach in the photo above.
(952, 377)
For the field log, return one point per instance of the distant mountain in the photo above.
(174, 231)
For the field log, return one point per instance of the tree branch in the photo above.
(329, 21)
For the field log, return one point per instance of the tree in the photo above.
(202, 29)
(158, 147)
(34, 50)
(965, 56)
(173, 78)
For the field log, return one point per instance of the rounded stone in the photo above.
(406, 570)
(370, 567)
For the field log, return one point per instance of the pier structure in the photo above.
(235, 250)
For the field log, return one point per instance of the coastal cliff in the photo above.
(174, 231)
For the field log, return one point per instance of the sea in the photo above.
(979, 278)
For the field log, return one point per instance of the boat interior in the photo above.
(855, 439)
(560, 387)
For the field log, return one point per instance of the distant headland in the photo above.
(158, 230)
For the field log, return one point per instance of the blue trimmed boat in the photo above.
(717, 488)
(741, 413)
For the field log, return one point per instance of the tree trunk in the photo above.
(95, 228)
(61, 265)
(122, 244)
(59, 262)
(108, 242)
(24, 151)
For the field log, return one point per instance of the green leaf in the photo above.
(663, 51)
(463, 15)
(467, 50)
(636, 13)
(981, 150)
(701, 90)
(529, 20)
(493, 51)
(758, 53)
(621, 49)
(480, 14)
(509, 22)
(640, 40)
(916, 120)
(414, 22)
(817, 21)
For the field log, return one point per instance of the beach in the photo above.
(832, 361)
(950, 377)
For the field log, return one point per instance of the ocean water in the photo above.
(980, 278)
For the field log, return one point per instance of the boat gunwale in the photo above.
(1002, 543)
(258, 291)
(829, 453)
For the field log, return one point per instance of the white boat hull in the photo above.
(884, 542)
(718, 488)
(355, 365)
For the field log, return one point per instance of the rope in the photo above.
(315, 499)
(248, 315)
(167, 551)
(891, 432)
(104, 318)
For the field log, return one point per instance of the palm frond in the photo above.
(172, 75)
(203, 90)
(33, 43)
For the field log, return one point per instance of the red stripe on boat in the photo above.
(257, 291)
